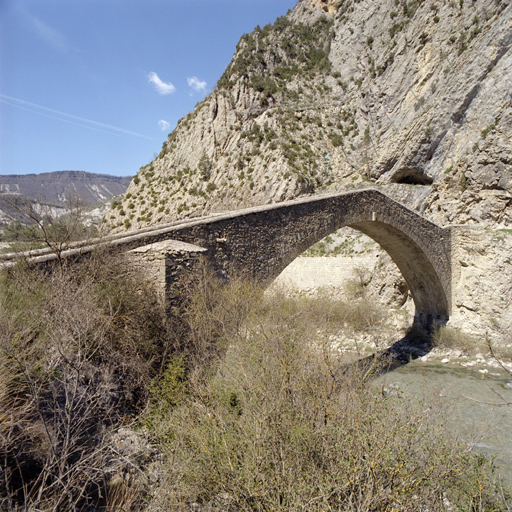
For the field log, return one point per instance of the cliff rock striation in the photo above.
(341, 93)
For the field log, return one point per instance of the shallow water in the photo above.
(467, 398)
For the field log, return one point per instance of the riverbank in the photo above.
(359, 344)
(347, 277)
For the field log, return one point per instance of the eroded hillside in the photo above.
(342, 94)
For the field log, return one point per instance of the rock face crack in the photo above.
(215, 109)
(458, 116)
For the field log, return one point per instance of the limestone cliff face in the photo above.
(347, 93)
(329, 6)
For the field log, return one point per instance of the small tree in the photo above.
(42, 225)
(205, 167)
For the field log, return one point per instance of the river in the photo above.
(471, 400)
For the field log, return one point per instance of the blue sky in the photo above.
(96, 85)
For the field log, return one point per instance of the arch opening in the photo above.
(418, 271)
(424, 284)
(346, 265)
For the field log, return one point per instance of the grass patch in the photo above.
(452, 338)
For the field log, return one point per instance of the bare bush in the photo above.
(78, 350)
(356, 286)
(41, 225)
(449, 337)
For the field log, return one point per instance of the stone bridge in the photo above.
(262, 241)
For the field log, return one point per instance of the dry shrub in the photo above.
(214, 311)
(356, 286)
(323, 312)
(78, 349)
(282, 425)
(501, 349)
(122, 497)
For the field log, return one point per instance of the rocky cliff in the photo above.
(341, 93)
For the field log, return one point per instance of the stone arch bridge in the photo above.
(262, 241)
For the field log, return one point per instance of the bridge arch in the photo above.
(265, 240)
(424, 283)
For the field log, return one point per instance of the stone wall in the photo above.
(482, 281)
(264, 240)
(328, 273)
(164, 264)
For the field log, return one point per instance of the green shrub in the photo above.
(205, 167)
(396, 27)
(170, 388)
(336, 139)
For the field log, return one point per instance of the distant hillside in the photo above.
(55, 187)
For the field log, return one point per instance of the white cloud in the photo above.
(164, 125)
(161, 87)
(196, 84)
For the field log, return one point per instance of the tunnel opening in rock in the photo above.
(412, 177)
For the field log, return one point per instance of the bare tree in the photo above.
(43, 225)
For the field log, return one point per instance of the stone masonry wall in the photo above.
(264, 240)
(482, 281)
(163, 264)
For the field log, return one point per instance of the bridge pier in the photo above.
(430, 321)
(166, 265)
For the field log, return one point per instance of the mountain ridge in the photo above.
(58, 189)
(53, 186)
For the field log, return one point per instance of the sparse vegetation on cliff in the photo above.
(301, 109)
(291, 48)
